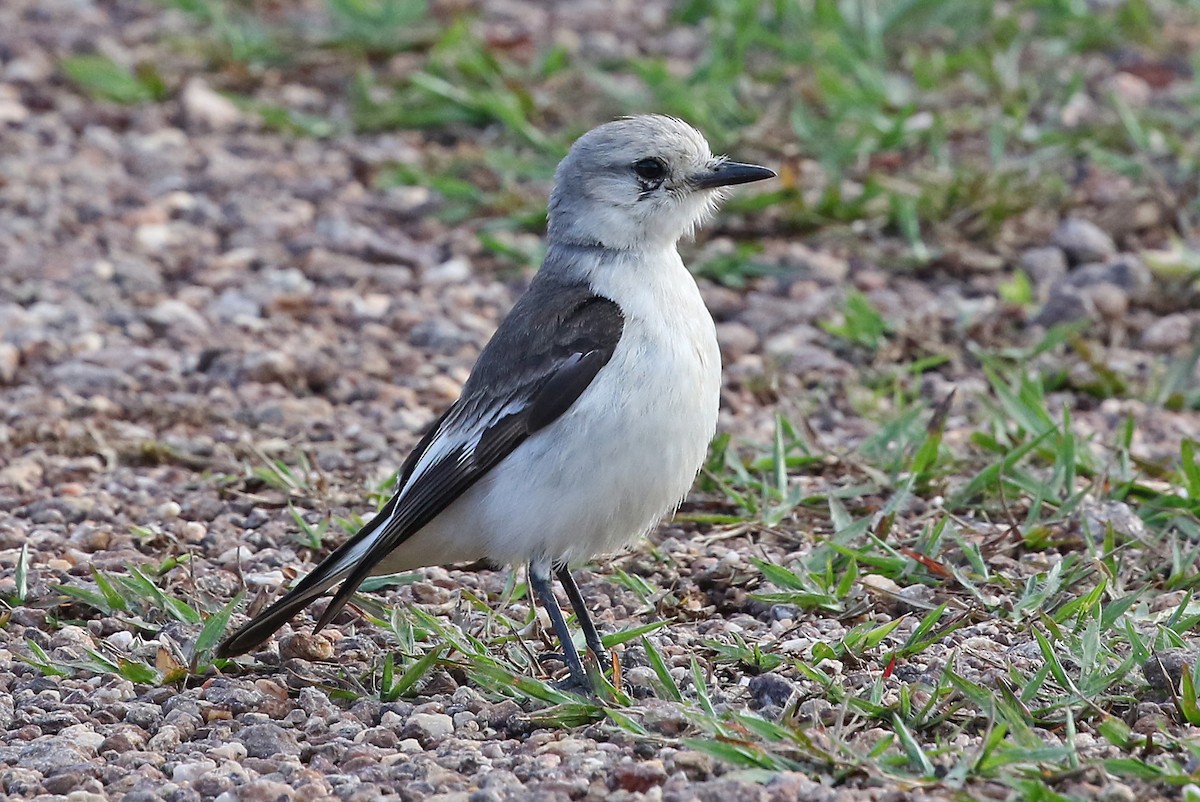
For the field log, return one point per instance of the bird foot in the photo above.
(588, 681)
(581, 686)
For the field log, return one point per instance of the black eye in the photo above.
(650, 169)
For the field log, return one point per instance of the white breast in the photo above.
(623, 456)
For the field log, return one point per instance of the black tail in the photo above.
(334, 568)
(354, 559)
(265, 624)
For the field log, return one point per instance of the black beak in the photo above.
(726, 174)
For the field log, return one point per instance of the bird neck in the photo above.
(641, 281)
(578, 243)
(594, 225)
(572, 236)
(582, 253)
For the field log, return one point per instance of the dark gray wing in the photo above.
(544, 355)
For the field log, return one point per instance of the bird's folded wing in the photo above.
(532, 371)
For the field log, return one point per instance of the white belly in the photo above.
(623, 456)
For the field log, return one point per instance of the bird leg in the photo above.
(539, 580)
(590, 634)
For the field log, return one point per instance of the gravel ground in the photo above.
(185, 295)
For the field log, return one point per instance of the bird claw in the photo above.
(576, 682)
(581, 686)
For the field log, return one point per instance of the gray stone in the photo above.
(87, 379)
(188, 773)
(1044, 266)
(72, 638)
(267, 367)
(721, 301)
(20, 783)
(438, 335)
(1130, 273)
(817, 710)
(783, 612)
(228, 694)
(171, 314)
(1168, 333)
(51, 752)
(267, 740)
(206, 109)
(1065, 305)
(67, 781)
(166, 740)
(265, 791)
(452, 271)
(792, 786)
(1098, 516)
(428, 728)
(770, 689)
(1108, 300)
(146, 715)
(1165, 667)
(721, 790)
(1083, 241)
(10, 360)
(1126, 271)
(637, 777)
(736, 340)
(664, 718)
(694, 765)
(232, 306)
(808, 360)
(150, 791)
(915, 599)
(213, 784)
(314, 702)
(500, 714)
(135, 274)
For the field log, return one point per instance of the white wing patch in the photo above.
(457, 433)
(452, 436)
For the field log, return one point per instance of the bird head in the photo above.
(640, 181)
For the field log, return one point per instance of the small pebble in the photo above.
(1165, 668)
(1083, 241)
(428, 728)
(305, 646)
(1169, 332)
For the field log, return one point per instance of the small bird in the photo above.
(588, 414)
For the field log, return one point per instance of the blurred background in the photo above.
(927, 134)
